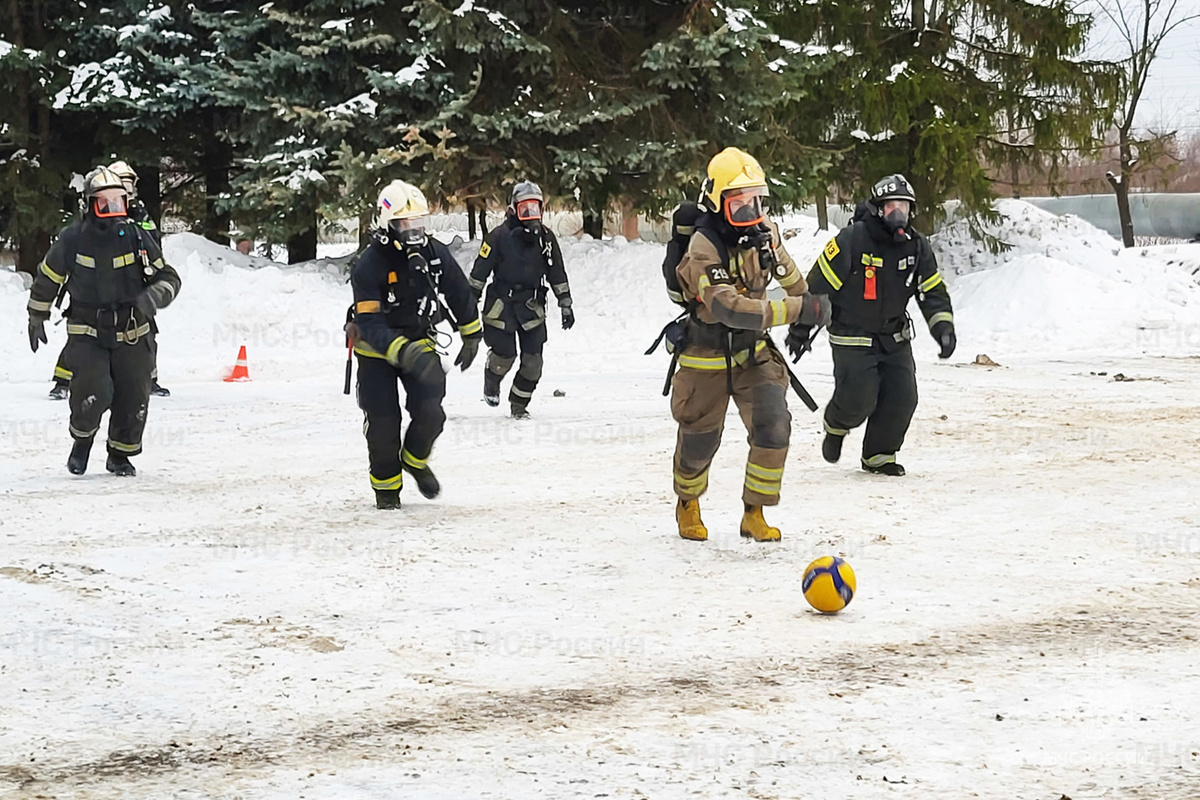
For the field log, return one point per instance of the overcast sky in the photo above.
(1172, 98)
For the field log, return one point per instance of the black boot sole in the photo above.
(890, 470)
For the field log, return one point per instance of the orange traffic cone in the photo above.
(240, 372)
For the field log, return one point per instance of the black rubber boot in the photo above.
(427, 482)
(491, 388)
(118, 464)
(78, 460)
(159, 391)
(831, 448)
(387, 499)
(59, 392)
(519, 411)
(891, 468)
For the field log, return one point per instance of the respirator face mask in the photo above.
(408, 232)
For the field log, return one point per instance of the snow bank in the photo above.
(1063, 286)
(291, 318)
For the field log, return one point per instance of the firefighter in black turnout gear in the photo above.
(521, 256)
(870, 270)
(116, 281)
(404, 284)
(138, 215)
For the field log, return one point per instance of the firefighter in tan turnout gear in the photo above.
(731, 259)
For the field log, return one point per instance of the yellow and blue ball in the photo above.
(829, 584)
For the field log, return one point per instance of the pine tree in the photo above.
(44, 46)
(943, 99)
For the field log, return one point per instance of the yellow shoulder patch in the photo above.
(485, 251)
(832, 249)
(368, 307)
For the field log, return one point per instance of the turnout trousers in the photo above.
(699, 399)
(502, 354)
(379, 398)
(113, 378)
(62, 371)
(877, 388)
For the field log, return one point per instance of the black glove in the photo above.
(568, 317)
(470, 346)
(37, 332)
(943, 333)
(145, 304)
(816, 310)
(797, 339)
(153, 298)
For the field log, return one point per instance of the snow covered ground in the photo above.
(239, 622)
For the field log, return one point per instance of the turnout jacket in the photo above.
(104, 265)
(870, 274)
(139, 216)
(726, 288)
(519, 264)
(398, 296)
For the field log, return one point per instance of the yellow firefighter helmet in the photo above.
(731, 169)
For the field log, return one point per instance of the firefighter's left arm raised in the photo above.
(791, 279)
(705, 275)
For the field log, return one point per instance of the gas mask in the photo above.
(529, 214)
(108, 203)
(408, 233)
(744, 208)
(895, 214)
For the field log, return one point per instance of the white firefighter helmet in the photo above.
(105, 193)
(127, 176)
(403, 213)
(400, 200)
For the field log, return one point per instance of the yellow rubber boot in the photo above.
(755, 527)
(687, 514)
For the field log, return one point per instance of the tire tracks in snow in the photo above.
(1133, 623)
